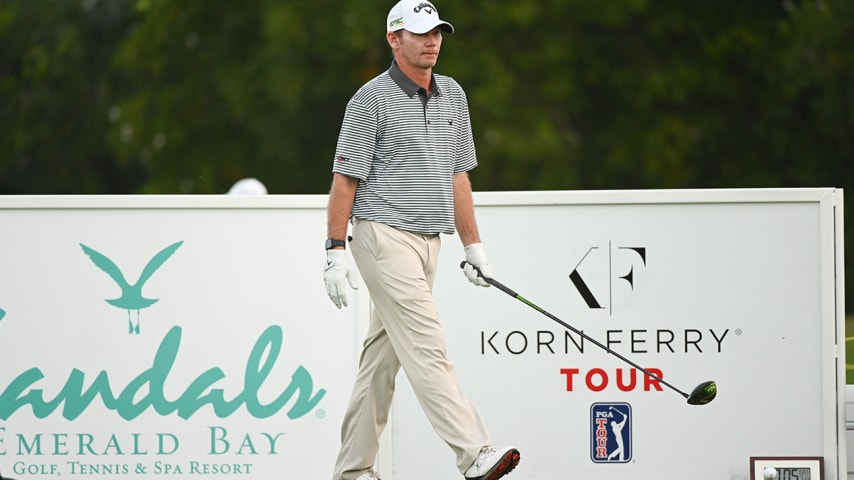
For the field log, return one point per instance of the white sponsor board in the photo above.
(190, 336)
(168, 337)
(740, 287)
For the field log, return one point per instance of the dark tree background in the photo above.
(178, 96)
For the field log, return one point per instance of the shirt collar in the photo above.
(406, 84)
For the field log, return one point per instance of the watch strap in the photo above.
(334, 242)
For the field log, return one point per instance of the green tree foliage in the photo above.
(177, 96)
(55, 87)
(227, 90)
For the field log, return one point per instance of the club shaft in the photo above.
(531, 304)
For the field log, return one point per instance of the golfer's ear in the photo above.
(393, 40)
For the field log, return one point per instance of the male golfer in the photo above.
(400, 176)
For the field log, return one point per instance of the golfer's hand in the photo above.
(336, 271)
(476, 257)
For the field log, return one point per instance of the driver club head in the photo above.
(703, 393)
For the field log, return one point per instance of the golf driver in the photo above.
(702, 393)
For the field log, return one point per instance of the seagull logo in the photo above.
(131, 298)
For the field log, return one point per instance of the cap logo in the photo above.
(424, 6)
(395, 22)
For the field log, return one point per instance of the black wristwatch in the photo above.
(332, 243)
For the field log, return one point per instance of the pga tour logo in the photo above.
(611, 432)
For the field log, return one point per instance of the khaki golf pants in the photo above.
(399, 268)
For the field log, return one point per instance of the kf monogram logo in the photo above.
(596, 263)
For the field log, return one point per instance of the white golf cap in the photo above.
(417, 16)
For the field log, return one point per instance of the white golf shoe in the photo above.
(492, 463)
(371, 474)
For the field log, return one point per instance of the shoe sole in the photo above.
(504, 466)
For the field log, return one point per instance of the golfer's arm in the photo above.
(341, 197)
(464, 210)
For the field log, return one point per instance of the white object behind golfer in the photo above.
(770, 473)
(248, 186)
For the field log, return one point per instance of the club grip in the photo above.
(490, 281)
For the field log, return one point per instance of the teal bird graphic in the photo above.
(2, 313)
(131, 298)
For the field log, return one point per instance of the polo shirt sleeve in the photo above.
(357, 141)
(465, 157)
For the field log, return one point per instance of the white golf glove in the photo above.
(338, 269)
(476, 257)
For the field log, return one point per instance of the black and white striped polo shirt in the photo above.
(404, 148)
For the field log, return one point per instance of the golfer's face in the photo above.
(420, 50)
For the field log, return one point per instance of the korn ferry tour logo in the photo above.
(595, 274)
(131, 297)
(611, 432)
